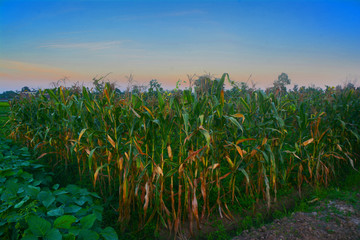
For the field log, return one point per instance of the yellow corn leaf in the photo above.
(42, 155)
(125, 191)
(169, 152)
(136, 114)
(147, 109)
(307, 142)
(253, 152)
(158, 170)
(81, 134)
(111, 141)
(225, 175)
(147, 196)
(239, 115)
(87, 151)
(239, 151)
(107, 95)
(195, 209)
(193, 154)
(120, 162)
(264, 141)
(338, 147)
(244, 140)
(181, 168)
(230, 162)
(222, 97)
(97, 172)
(216, 165)
(138, 148)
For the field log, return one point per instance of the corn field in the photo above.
(179, 158)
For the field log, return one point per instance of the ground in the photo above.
(330, 219)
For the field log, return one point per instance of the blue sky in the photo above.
(314, 42)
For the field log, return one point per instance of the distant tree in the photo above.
(25, 89)
(296, 88)
(349, 85)
(154, 86)
(118, 91)
(8, 95)
(338, 88)
(281, 82)
(205, 83)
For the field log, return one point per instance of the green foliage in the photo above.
(30, 209)
(220, 233)
(168, 159)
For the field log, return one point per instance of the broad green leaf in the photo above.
(32, 191)
(38, 226)
(22, 202)
(109, 234)
(69, 236)
(53, 234)
(88, 221)
(86, 234)
(72, 209)
(64, 221)
(56, 212)
(46, 197)
(29, 237)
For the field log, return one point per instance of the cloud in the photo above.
(85, 45)
(30, 70)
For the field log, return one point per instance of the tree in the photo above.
(281, 82)
(206, 83)
(154, 86)
(7, 95)
(25, 89)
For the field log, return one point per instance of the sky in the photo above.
(314, 42)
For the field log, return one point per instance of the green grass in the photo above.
(4, 109)
(4, 115)
(4, 104)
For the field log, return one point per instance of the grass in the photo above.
(4, 110)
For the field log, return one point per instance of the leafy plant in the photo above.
(175, 159)
(30, 209)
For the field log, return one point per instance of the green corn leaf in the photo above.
(235, 122)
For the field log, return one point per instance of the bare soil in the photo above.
(332, 219)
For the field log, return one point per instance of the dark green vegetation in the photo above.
(164, 160)
(31, 206)
(4, 111)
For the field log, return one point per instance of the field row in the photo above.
(174, 158)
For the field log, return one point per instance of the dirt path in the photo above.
(334, 219)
